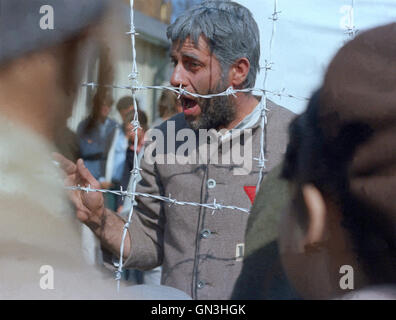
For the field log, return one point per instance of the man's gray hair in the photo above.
(228, 27)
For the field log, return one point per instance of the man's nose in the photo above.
(179, 76)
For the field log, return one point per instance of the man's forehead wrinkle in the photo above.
(188, 47)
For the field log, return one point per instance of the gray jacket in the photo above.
(200, 249)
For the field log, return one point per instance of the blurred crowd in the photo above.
(108, 147)
(108, 150)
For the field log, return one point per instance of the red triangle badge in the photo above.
(251, 192)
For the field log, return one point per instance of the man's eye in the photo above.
(192, 64)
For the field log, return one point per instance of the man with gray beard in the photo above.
(215, 45)
(216, 112)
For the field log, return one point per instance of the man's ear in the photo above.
(316, 216)
(239, 72)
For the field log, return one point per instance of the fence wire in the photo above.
(134, 87)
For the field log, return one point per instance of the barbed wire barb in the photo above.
(134, 86)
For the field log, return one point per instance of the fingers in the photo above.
(105, 185)
(86, 175)
(71, 180)
(74, 196)
(82, 201)
(66, 165)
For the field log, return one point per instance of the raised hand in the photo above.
(89, 206)
(90, 209)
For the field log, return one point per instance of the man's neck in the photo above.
(244, 105)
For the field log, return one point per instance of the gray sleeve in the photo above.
(277, 134)
(147, 227)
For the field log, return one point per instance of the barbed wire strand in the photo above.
(351, 31)
(263, 102)
(135, 123)
(181, 91)
(171, 201)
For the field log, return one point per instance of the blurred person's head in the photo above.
(168, 105)
(126, 105)
(341, 164)
(101, 107)
(215, 45)
(128, 127)
(41, 70)
(105, 107)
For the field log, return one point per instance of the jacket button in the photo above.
(211, 183)
(205, 233)
(201, 284)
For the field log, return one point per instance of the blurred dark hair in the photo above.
(311, 158)
(101, 98)
(126, 102)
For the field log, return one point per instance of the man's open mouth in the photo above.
(188, 103)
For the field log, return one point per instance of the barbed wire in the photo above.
(263, 102)
(134, 87)
(171, 201)
(181, 91)
(135, 123)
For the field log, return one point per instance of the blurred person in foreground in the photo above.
(66, 141)
(337, 237)
(39, 78)
(262, 276)
(215, 46)
(41, 255)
